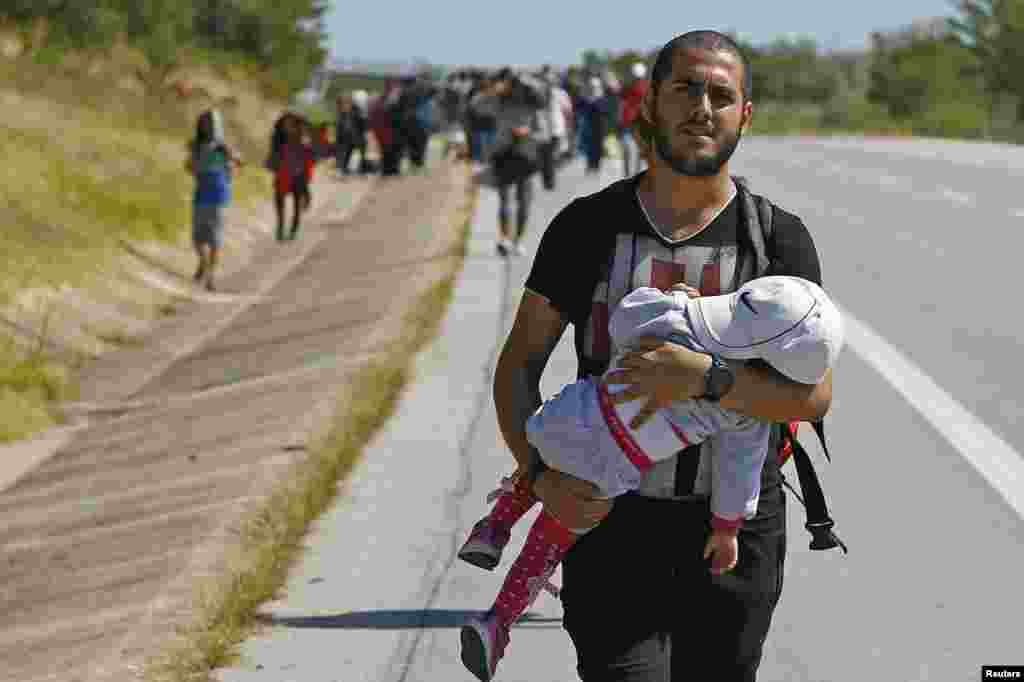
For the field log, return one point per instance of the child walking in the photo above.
(210, 162)
(292, 160)
(788, 322)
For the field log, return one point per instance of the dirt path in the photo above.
(101, 543)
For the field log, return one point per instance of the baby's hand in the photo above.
(723, 549)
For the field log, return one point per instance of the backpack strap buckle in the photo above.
(822, 536)
(819, 522)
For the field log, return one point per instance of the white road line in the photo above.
(991, 456)
(892, 180)
(953, 195)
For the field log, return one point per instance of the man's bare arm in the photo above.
(763, 393)
(663, 372)
(535, 333)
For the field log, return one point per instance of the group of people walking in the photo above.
(520, 124)
(523, 124)
(684, 248)
(295, 148)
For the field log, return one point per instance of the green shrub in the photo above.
(855, 113)
(953, 118)
(780, 118)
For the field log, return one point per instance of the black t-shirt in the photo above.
(601, 247)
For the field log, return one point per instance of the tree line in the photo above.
(285, 39)
(954, 76)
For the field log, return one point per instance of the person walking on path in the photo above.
(788, 322)
(210, 161)
(482, 125)
(347, 133)
(516, 102)
(632, 100)
(684, 220)
(594, 104)
(416, 117)
(383, 124)
(292, 161)
(558, 113)
(361, 115)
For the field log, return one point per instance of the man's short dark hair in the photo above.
(707, 40)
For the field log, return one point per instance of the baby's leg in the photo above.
(484, 639)
(513, 503)
(545, 546)
(490, 534)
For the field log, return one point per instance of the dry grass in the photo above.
(91, 164)
(270, 539)
(29, 381)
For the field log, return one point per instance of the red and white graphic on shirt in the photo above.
(644, 261)
(665, 274)
(711, 280)
(599, 345)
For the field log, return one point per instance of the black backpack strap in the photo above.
(758, 216)
(819, 523)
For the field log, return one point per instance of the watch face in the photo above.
(720, 378)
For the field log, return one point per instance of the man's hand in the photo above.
(572, 501)
(660, 372)
(520, 131)
(723, 550)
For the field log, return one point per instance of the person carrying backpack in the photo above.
(684, 221)
(788, 322)
(417, 117)
(210, 161)
(516, 101)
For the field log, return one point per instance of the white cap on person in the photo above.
(789, 322)
(639, 70)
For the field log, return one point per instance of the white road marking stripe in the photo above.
(990, 455)
(953, 195)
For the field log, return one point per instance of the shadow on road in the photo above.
(398, 620)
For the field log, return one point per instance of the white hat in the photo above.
(787, 321)
(218, 126)
(361, 99)
(639, 70)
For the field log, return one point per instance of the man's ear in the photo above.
(748, 116)
(647, 104)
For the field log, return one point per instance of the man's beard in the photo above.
(694, 166)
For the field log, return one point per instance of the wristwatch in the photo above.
(718, 380)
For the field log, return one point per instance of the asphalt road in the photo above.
(920, 245)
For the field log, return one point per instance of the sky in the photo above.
(528, 32)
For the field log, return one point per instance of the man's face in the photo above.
(698, 111)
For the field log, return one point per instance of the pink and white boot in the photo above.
(490, 534)
(485, 544)
(483, 644)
